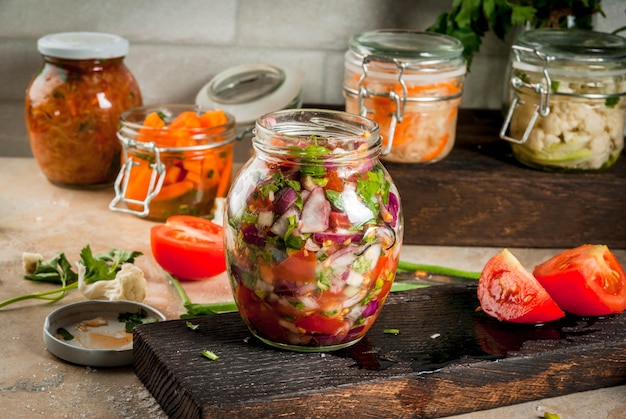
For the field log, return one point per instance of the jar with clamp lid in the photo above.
(411, 83)
(177, 160)
(568, 106)
(313, 230)
(73, 105)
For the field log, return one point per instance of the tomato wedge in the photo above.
(189, 247)
(586, 281)
(507, 291)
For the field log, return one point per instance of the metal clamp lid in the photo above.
(157, 176)
(542, 88)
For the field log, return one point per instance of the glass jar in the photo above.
(313, 230)
(568, 110)
(411, 83)
(177, 160)
(73, 106)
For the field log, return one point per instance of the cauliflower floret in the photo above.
(129, 284)
(29, 261)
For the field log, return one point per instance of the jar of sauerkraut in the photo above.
(177, 160)
(313, 230)
(411, 83)
(568, 104)
(73, 106)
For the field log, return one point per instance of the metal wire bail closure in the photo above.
(542, 88)
(120, 186)
(398, 100)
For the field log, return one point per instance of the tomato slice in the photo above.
(586, 281)
(189, 247)
(507, 291)
(318, 323)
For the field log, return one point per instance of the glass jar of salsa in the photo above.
(73, 105)
(411, 83)
(313, 230)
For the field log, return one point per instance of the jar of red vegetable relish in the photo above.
(313, 230)
(73, 106)
(411, 83)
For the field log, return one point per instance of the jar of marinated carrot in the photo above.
(73, 105)
(313, 230)
(411, 83)
(177, 159)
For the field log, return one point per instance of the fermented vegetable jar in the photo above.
(411, 83)
(313, 230)
(73, 106)
(568, 105)
(177, 159)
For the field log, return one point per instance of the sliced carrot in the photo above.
(153, 120)
(174, 190)
(173, 174)
(443, 141)
(138, 182)
(186, 119)
(213, 118)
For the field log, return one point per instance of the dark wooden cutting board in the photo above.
(448, 359)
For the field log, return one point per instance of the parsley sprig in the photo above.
(58, 270)
(470, 20)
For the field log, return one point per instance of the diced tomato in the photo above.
(334, 183)
(298, 267)
(339, 220)
(189, 247)
(507, 291)
(318, 323)
(587, 280)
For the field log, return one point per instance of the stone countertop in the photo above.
(36, 216)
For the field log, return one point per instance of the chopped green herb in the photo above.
(554, 86)
(611, 102)
(192, 326)
(391, 331)
(134, 319)
(64, 334)
(209, 355)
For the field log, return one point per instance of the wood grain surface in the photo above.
(448, 359)
(481, 196)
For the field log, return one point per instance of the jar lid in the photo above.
(251, 90)
(575, 45)
(406, 45)
(83, 45)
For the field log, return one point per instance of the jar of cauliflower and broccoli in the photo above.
(411, 84)
(568, 100)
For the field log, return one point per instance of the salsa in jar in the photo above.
(313, 230)
(73, 106)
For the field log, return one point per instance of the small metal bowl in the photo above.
(107, 345)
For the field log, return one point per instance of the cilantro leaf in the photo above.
(104, 267)
(56, 270)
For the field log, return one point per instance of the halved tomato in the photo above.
(587, 280)
(189, 247)
(507, 291)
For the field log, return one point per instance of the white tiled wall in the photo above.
(178, 45)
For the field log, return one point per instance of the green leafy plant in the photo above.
(470, 20)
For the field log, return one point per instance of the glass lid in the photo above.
(407, 45)
(575, 45)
